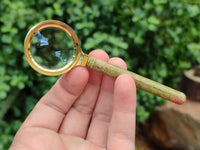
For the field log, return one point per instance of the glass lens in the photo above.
(52, 48)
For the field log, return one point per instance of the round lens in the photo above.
(52, 48)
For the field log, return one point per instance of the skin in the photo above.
(84, 110)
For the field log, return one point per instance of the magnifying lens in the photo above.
(52, 48)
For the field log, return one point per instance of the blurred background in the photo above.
(158, 39)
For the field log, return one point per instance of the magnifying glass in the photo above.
(52, 48)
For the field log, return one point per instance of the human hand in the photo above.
(84, 110)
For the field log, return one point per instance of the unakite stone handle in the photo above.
(141, 82)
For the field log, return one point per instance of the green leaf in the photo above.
(6, 38)
(157, 2)
(3, 95)
(153, 20)
(193, 10)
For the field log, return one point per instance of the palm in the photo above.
(92, 113)
(44, 139)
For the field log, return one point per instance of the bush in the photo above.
(158, 39)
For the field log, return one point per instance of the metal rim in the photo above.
(34, 64)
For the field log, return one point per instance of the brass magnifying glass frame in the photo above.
(78, 59)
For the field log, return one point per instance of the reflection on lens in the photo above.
(52, 48)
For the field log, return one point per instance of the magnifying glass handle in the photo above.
(141, 82)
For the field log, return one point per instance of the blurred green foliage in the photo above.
(157, 38)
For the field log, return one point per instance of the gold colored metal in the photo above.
(84, 60)
(46, 71)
